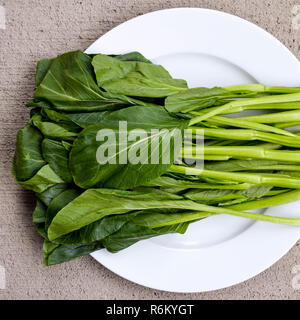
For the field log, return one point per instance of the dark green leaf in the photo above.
(39, 218)
(83, 119)
(48, 195)
(88, 118)
(28, 157)
(57, 156)
(53, 130)
(55, 254)
(95, 204)
(88, 172)
(131, 56)
(101, 229)
(42, 180)
(131, 233)
(42, 68)
(58, 203)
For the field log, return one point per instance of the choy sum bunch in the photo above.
(80, 103)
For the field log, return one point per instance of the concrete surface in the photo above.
(38, 28)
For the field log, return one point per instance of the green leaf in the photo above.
(42, 180)
(130, 233)
(39, 218)
(42, 68)
(160, 218)
(257, 192)
(88, 118)
(88, 172)
(67, 145)
(120, 231)
(58, 203)
(69, 85)
(95, 231)
(131, 56)
(28, 156)
(54, 115)
(222, 197)
(83, 119)
(39, 213)
(195, 98)
(56, 254)
(48, 195)
(133, 78)
(52, 130)
(48, 248)
(214, 196)
(95, 204)
(57, 157)
(103, 228)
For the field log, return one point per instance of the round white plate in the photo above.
(207, 48)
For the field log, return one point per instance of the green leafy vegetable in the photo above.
(111, 146)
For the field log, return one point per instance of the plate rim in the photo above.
(252, 24)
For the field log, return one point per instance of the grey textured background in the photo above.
(38, 29)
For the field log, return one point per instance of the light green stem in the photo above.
(285, 125)
(213, 157)
(241, 152)
(275, 180)
(262, 106)
(250, 135)
(276, 200)
(294, 97)
(235, 210)
(270, 201)
(273, 168)
(238, 122)
(260, 88)
(287, 116)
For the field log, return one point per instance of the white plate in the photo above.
(207, 48)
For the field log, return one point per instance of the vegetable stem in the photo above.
(294, 97)
(260, 88)
(256, 179)
(241, 152)
(250, 135)
(238, 122)
(287, 116)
